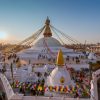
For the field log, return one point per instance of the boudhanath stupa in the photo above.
(45, 49)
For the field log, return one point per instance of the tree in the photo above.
(95, 66)
(4, 68)
(11, 67)
(90, 69)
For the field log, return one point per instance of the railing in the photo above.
(51, 98)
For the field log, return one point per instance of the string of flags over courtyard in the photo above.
(45, 31)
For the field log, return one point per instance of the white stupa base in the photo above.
(56, 94)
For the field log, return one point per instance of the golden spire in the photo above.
(47, 31)
(60, 58)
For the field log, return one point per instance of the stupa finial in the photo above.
(60, 58)
(47, 31)
(47, 21)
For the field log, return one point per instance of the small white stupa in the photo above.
(92, 56)
(59, 76)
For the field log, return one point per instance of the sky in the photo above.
(79, 19)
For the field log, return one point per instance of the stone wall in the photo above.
(94, 90)
(6, 86)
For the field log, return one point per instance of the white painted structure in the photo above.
(92, 56)
(46, 47)
(94, 88)
(7, 88)
(55, 76)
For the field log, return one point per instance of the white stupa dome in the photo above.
(45, 48)
(92, 56)
(49, 41)
(59, 77)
